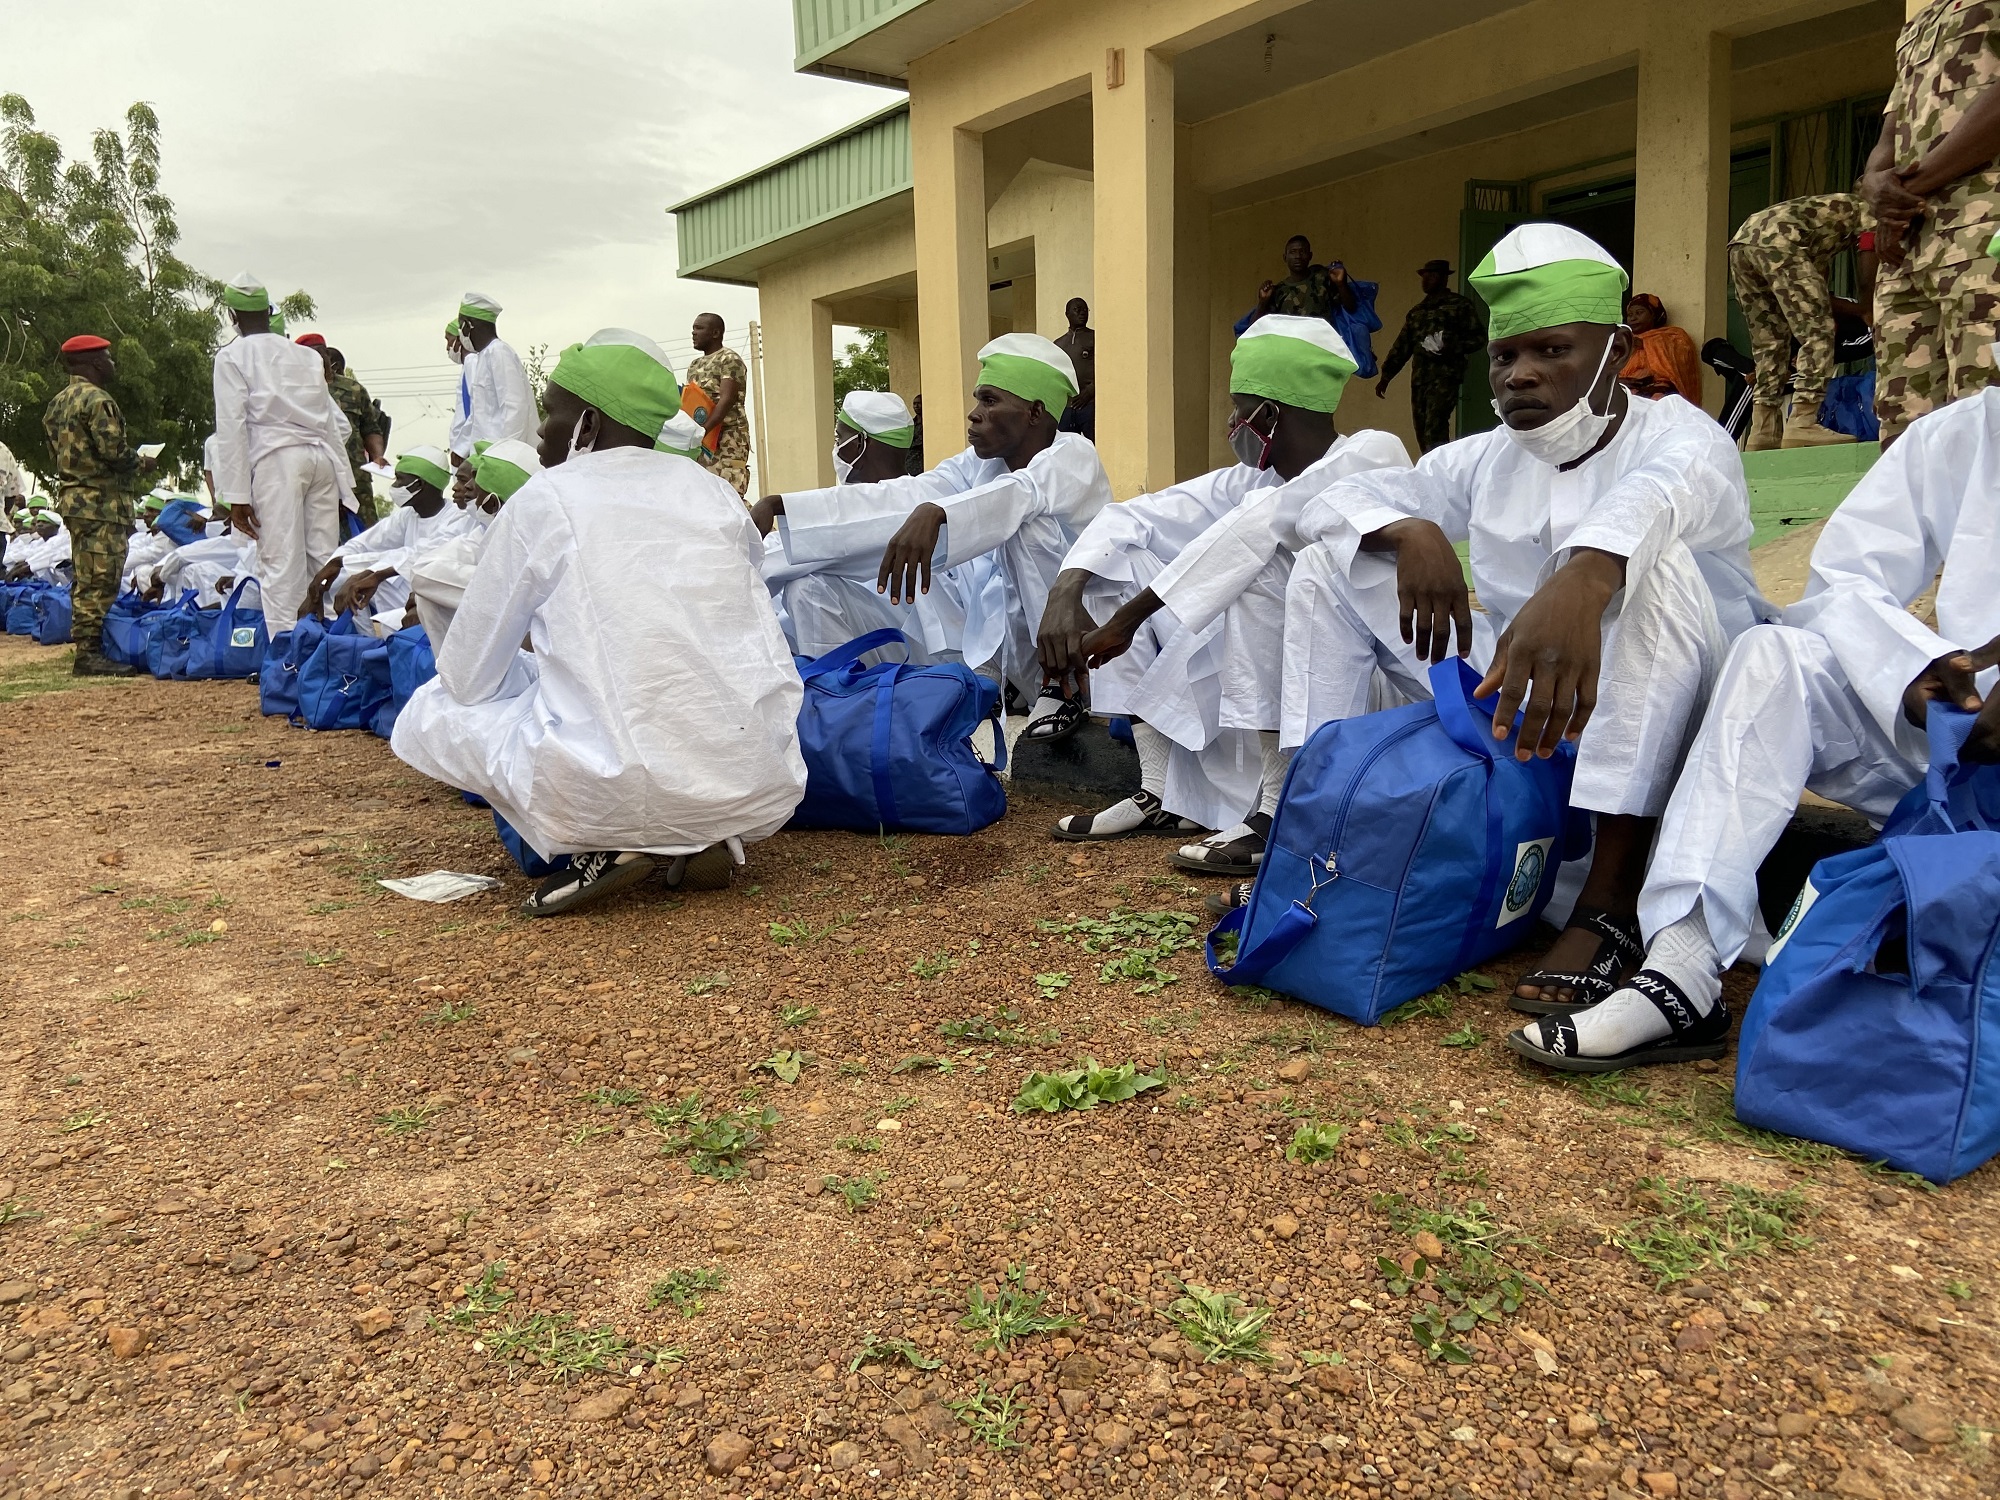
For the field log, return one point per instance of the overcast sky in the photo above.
(386, 157)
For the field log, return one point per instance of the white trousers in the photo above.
(1207, 691)
(1783, 721)
(1662, 648)
(296, 495)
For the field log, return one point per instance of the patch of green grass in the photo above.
(90, 1119)
(1052, 984)
(327, 908)
(1465, 1036)
(484, 1298)
(1438, 1004)
(1687, 1233)
(200, 937)
(587, 1132)
(706, 984)
(323, 960)
(858, 1193)
(785, 1066)
(923, 1062)
(451, 1013)
(1220, 1325)
(612, 1098)
(1908, 1179)
(992, 1418)
(407, 1119)
(1013, 1312)
(899, 1106)
(1959, 1289)
(1463, 1283)
(715, 1147)
(876, 1350)
(1000, 1027)
(553, 1343)
(1141, 939)
(70, 942)
(17, 1212)
(685, 1288)
(1083, 1087)
(32, 678)
(934, 965)
(864, 1145)
(1313, 1143)
(800, 932)
(1602, 1090)
(797, 1015)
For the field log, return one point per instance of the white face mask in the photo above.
(576, 444)
(402, 494)
(842, 467)
(1569, 435)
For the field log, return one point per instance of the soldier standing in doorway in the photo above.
(1439, 335)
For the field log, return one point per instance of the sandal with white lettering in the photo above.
(1138, 815)
(1552, 1041)
(589, 878)
(1618, 951)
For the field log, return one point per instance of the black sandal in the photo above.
(1240, 856)
(1692, 1038)
(1618, 949)
(1077, 827)
(1059, 724)
(1237, 895)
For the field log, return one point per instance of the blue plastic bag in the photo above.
(1849, 406)
(1866, 1030)
(52, 617)
(232, 644)
(1404, 851)
(344, 681)
(890, 746)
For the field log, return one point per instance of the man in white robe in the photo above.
(1833, 701)
(656, 720)
(438, 577)
(379, 563)
(1204, 693)
(1021, 492)
(280, 459)
(460, 354)
(1603, 531)
(147, 543)
(499, 403)
(41, 547)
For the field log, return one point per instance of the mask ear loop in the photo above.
(1604, 363)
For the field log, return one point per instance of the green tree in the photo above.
(862, 366)
(89, 247)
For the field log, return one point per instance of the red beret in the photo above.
(83, 343)
(311, 340)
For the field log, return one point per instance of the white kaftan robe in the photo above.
(1206, 670)
(502, 404)
(1817, 704)
(659, 709)
(1027, 519)
(1667, 494)
(394, 544)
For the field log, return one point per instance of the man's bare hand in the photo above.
(1065, 623)
(906, 561)
(1431, 596)
(1952, 679)
(317, 587)
(244, 519)
(1547, 661)
(766, 512)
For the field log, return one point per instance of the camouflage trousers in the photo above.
(1784, 297)
(371, 509)
(1434, 391)
(100, 526)
(1934, 328)
(732, 471)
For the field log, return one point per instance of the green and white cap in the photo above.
(682, 435)
(156, 502)
(427, 463)
(245, 293)
(626, 376)
(1545, 275)
(1031, 367)
(1299, 361)
(277, 319)
(880, 414)
(478, 305)
(505, 466)
(451, 329)
(41, 502)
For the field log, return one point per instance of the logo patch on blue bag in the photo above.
(1530, 860)
(244, 636)
(1801, 904)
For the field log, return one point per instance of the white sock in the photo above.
(1683, 952)
(1044, 706)
(1276, 763)
(1153, 748)
(1119, 817)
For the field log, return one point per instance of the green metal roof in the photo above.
(820, 27)
(720, 231)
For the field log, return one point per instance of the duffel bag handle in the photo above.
(1254, 961)
(1468, 720)
(225, 623)
(842, 657)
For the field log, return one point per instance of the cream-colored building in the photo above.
(1152, 157)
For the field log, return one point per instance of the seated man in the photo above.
(378, 561)
(46, 550)
(1833, 701)
(147, 544)
(209, 559)
(657, 716)
(1021, 491)
(1204, 693)
(438, 578)
(1608, 545)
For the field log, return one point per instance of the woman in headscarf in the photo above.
(1663, 361)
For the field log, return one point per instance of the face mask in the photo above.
(842, 467)
(576, 443)
(456, 354)
(1567, 437)
(1251, 447)
(402, 494)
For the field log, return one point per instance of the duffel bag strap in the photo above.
(842, 657)
(1255, 960)
(878, 753)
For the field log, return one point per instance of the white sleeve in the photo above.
(988, 515)
(333, 423)
(851, 522)
(232, 433)
(1439, 489)
(1882, 548)
(1689, 488)
(512, 580)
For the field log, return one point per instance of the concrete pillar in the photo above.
(1681, 212)
(906, 377)
(1134, 273)
(949, 166)
(798, 379)
(1024, 306)
(1197, 412)
(822, 392)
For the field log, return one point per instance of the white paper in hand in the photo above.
(441, 885)
(151, 450)
(380, 471)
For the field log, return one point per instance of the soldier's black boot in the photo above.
(97, 664)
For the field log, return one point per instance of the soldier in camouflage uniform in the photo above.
(1778, 262)
(98, 472)
(1439, 335)
(366, 441)
(1935, 190)
(721, 373)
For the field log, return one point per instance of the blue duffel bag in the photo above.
(1404, 851)
(411, 665)
(345, 680)
(52, 617)
(232, 645)
(1866, 1029)
(21, 605)
(278, 682)
(171, 634)
(125, 627)
(526, 860)
(889, 747)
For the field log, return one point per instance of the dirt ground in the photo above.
(309, 1189)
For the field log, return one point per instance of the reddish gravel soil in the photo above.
(267, 1125)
